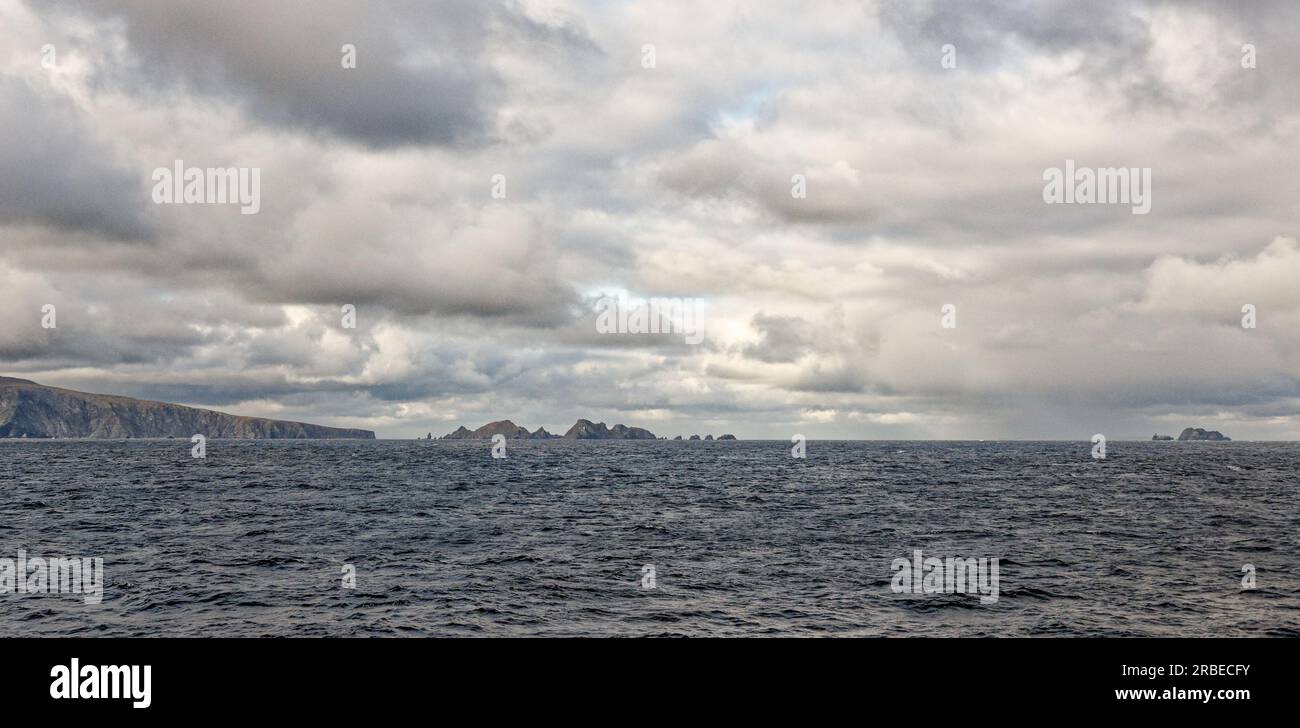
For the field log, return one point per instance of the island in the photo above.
(581, 430)
(1196, 433)
(31, 410)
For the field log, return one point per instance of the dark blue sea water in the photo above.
(745, 540)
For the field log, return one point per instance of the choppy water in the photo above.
(745, 540)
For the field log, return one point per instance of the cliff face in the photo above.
(28, 409)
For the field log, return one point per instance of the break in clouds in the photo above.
(488, 171)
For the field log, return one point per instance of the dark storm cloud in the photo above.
(987, 33)
(422, 75)
(76, 345)
(784, 338)
(57, 172)
(1113, 38)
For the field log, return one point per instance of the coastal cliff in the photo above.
(32, 410)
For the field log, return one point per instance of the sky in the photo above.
(487, 173)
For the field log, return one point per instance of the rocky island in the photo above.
(1196, 433)
(508, 429)
(581, 430)
(28, 409)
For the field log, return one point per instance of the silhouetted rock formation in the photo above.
(581, 430)
(510, 430)
(28, 409)
(502, 427)
(1196, 433)
(727, 437)
(587, 430)
(1162, 437)
(693, 437)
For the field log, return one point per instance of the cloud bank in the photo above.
(489, 169)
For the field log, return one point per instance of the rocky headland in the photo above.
(32, 410)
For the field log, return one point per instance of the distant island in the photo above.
(581, 430)
(32, 410)
(1196, 433)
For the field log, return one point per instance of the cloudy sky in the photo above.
(822, 315)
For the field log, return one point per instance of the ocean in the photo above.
(741, 539)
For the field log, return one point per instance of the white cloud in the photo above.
(924, 188)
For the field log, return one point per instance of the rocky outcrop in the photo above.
(619, 432)
(28, 409)
(588, 430)
(727, 437)
(693, 437)
(501, 427)
(1196, 433)
(1162, 437)
(510, 430)
(581, 430)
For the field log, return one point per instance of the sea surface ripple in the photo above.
(745, 539)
